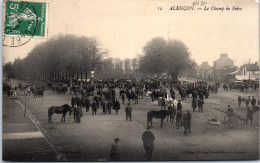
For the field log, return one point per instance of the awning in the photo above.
(234, 72)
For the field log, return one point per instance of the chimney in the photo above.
(223, 55)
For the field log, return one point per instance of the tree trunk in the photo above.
(81, 76)
(77, 76)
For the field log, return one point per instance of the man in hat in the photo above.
(178, 118)
(87, 104)
(114, 152)
(123, 97)
(148, 142)
(185, 124)
(179, 105)
(94, 107)
(194, 104)
(188, 121)
(249, 115)
(200, 105)
(128, 111)
(253, 101)
(73, 101)
(116, 106)
(229, 113)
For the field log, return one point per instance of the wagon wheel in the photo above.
(230, 123)
(233, 122)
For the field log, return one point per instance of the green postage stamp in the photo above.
(25, 19)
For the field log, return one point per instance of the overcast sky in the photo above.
(125, 26)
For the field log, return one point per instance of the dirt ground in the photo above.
(91, 139)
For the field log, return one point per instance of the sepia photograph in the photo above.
(130, 80)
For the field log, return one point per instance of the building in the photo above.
(222, 67)
(204, 71)
(246, 72)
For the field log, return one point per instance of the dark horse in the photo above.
(162, 114)
(59, 110)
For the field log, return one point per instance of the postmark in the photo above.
(24, 20)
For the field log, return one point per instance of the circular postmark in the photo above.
(20, 23)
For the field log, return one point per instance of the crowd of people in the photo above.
(103, 96)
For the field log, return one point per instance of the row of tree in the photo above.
(68, 57)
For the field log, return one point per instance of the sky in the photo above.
(125, 26)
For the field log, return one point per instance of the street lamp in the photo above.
(92, 77)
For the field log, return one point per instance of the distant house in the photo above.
(247, 72)
(204, 71)
(222, 67)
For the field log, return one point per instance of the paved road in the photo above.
(91, 139)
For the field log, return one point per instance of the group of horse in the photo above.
(162, 114)
(241, 99)
(36, 90)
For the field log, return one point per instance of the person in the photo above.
(172, 112)
(128, 111)
(114, 152)
(163, 106)
(179, 106)
(172, 93)
(97, 101)
(178, 118)
(123, 98)
(153, 95)
(94, 107)
(249, 115)
(247, 101)
(229, 113)
(80, 110)
(116, 106)
(73, 101)
(253, 101)
(136, 98)
(87, 104)
(200, 105)
(239, 99)
(194, 104)
(148, 142)
(76, 114)
(185, 124)
(188, 121)
(103, 104)
(109, 106)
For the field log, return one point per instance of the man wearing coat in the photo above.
(148, 142)
(128, 111)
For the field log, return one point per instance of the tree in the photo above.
(154, 51)
(8, 70)
(118, 65)
(61, 58)
(127, 67)
(162, 56)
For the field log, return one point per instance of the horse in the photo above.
(38, 92)
(162, 114)
(243, 99)
(130, 96)
(59, 110)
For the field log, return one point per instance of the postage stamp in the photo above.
(25, 19)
